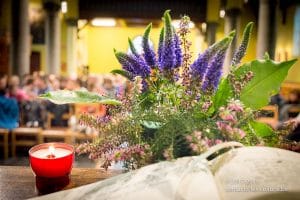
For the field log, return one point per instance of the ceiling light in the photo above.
(64, 7)
(176, 24)
(203, 27)
(222, 13)
(108, 22)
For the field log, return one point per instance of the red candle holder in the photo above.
(52, 164)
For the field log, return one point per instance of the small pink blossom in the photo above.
(166, 154)
(235, 105)
(221, 125)
(194, 147)
(239, 132)
(189, 138)
(217, 141)
(198, 134)
(242, 133)
(226, 115)
(206, 105)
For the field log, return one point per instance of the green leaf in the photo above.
(223, 94)
(147, 31)
(268, 76)
(151, 124)
(122, 73)
(261, 129)
(132, 47)
(167, 23)
(79, 96)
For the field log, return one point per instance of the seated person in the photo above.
(293, 100)
(58, 111)
(9, 110)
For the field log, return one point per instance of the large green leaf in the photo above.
(261, 129)
(268, 76)
(79, 96)
(223, 93)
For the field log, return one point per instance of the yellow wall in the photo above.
(63, 45)
(285, 44)
(102, 41)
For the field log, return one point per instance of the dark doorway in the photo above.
(35, 61)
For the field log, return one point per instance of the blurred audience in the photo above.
(9, 110)
(293, 100)
(35, 112)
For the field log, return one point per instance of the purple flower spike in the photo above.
(160, 45)
(178, 52)
(168, 58)
(149, 54)
(136, 66)
(214, 71)
(199, 67)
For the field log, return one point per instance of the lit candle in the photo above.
(51, 159)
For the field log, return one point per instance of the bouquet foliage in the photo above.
(179, 107)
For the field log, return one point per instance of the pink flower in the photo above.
(235, 105)
(189, 138)
(240, 132)
(226, 115)
(217, 141)
(221, 125)
(166, 154)
(194, 147)
(206, 105)
(198, 134)
(224, 127)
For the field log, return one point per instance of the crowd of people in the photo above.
(20, 105)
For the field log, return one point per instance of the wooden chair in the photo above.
(61, 134)
(271, 120)
(82, 137)
(26, 133)
(4, 133)
(50, 117)
(293, 111)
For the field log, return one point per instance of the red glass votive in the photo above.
(51, 160)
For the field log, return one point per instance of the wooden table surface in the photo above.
(19, 182)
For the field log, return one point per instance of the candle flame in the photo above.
(51, 150)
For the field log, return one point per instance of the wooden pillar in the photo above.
(52, 35)
(20, 38)
(266, 36)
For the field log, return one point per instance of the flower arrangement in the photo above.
(179, 107)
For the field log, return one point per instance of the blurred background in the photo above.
(75, 37)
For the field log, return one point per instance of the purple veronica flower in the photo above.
(136, 66)
(241, 51)
(160, 45)
(149, 54)
(199, 67)
(178, 52)
(144, 85)
(168, 57)
(214, 71)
